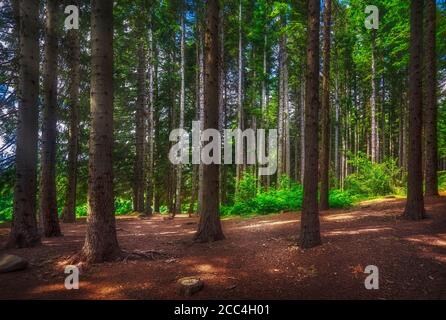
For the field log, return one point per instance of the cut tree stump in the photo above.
(189, 285)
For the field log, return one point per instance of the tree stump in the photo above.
(189, 285)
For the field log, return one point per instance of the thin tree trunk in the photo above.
(415, 202)
(222, 99)
(310, 228)
(196, 171)
(430, 121)
(150, 125)
(48, 200)
(141, 129)
(181, 122)
(24, 231)
(101, 243)
(302, 132)
(374, 145)
(240, 113)
(325, 112)
(209, 227)
(69, 211)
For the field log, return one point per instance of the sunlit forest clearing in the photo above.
(96, 101)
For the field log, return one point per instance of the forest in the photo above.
(148, 143)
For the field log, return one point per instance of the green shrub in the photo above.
(442, 181)
(286, 199)
(6, 207)
(372, 179)
(247, 188)
(122, 207)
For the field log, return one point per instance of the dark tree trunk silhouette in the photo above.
(430, 121)
(209, 227)
(415, 203)
(101, 243)
(48, 200)
(69, 212)
(325, 112)
(24, 231)
(310, 229)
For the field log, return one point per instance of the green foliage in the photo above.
(373, 179)
(122, 207)
(442, 181)
(247, 188)
(287, 198)
(6, 207)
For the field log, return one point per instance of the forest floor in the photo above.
(259, 259)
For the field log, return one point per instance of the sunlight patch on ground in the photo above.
(438, 241)
(266, 223)
(357, 231)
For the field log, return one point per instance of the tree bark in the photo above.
(325, 112)
(310, 229)
(48, 200)
(209, 227)
(69, 211)
(101, 243)
(150, 125)
(374, 145)
(139, 174)
(430, 120)
(240, 113)
(415, 202)
(182, 101)
(222, 99)
(24, 231)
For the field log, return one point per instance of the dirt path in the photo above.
(259, 259)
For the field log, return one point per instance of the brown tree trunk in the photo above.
(240, 96)
(101, 243)
(430, 120)
(325, 112)
(150, 127)
(69, 211)
(48, 200)
(24, 231)
(209, 227)
(415, 203)
(179, 167)
(310, 229)
(141, 129)
(374, 144)
(222, 99)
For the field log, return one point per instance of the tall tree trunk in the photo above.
(264, 106)
(69, 211)
(325, 112)
(150, 125)
(48, 200)
(222, 99)
(24, 231)
(374, 144)
(302, 131)
(209, 227)
(201, 106)
(141, 129)
(415, 203)
(310, 228)
(430, 120)
(240, 113)
(181, 124)
(196, 170)
(101, 243)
